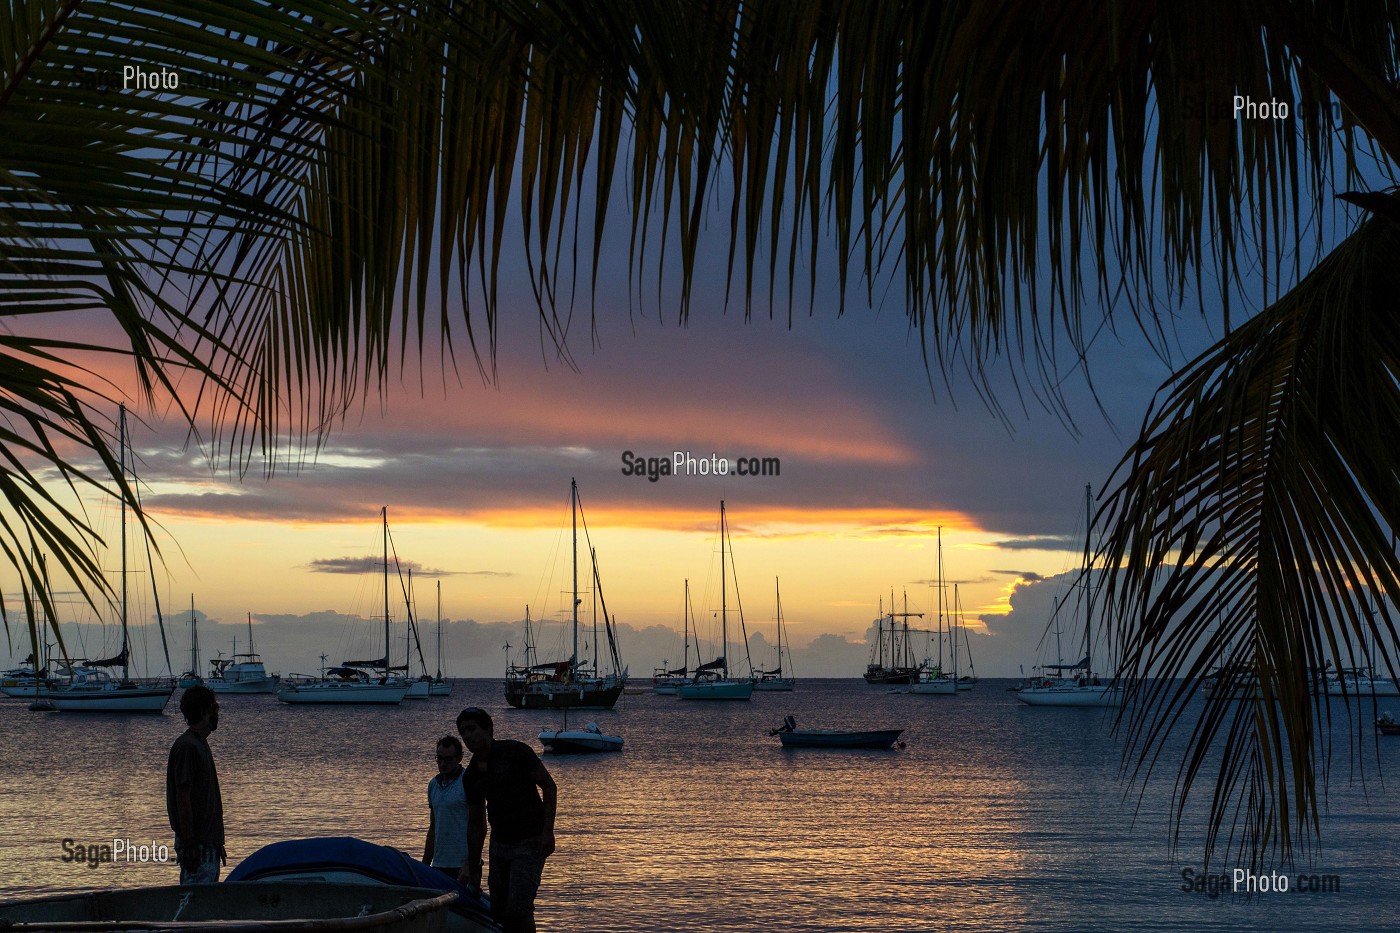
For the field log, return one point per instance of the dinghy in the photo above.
(793, 737)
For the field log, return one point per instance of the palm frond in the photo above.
(1253, 534)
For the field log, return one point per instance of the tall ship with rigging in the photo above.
(571, 683)
(892, 655)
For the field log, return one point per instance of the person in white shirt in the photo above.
(446, 846)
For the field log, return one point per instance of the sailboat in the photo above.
(933, 679)
(351, 683)
(241, 673)
(712, 680)
(1362, 681)
(569, 684)
(31, 681)
(191, 678)
(1074, 684)
(892, 658)
(420, 688)
(969, 680)
(777, 678)
(666, 680)
(94, 690)
(440, 687)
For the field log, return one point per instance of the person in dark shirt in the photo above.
(507, 785)
(192, 798)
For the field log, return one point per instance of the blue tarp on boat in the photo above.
(332, 853)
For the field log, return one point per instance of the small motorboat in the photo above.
(793, 737)
(583, 741)
(1387, 724)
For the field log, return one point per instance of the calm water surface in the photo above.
(996, 816)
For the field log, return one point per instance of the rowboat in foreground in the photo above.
(339, 860)
(793, 737)
(237, 907)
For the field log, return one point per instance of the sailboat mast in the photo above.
(880, 634)
(940, 600)
(410, 608)
(251, 649)
(439, 630)
(593, 558)
(1088, 585)
(955, 625)
(1059, 649)
(723, 617)
(894, 655)
(385, 511)
(126, 659)
(573, 515)
(908, 659)
(685, 624)
(194, 641)
(778, 603)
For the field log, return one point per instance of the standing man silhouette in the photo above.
(192, 798)
(506, 783)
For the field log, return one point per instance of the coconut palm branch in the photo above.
(1252, 531)
(337, 195)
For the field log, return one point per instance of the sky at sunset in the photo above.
(876, 451)
(873, 461)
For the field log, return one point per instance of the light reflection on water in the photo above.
(995, 816)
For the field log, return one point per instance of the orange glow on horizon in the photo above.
(760, 522)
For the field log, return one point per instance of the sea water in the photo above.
(994, 816)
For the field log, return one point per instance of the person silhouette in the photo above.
(192, 798)
(507, 785)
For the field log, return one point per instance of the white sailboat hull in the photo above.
(28, 693)
(344, 694)
(419, 690)
(780, 683)
(579, 742)
(249, 685)
(1072, 695)
(717, 690)
(946, 688)
(137, 699)
(1363, 687)
(440, 688)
